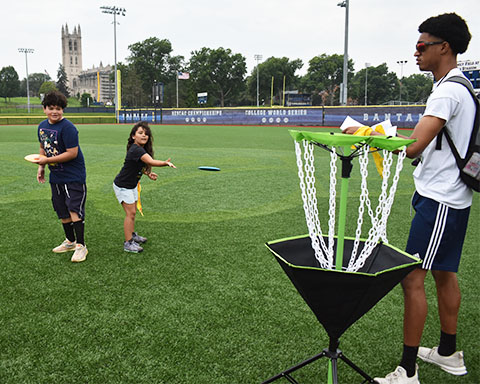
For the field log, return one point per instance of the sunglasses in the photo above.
(422, 47)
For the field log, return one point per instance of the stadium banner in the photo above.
(401, 116)
(227, 116)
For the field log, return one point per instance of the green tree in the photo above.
(416, 88)
(9, 83)
(323, 78)
(86, 99)
(219, 72)
(152, 61)
(278, 69)
(47, 86)
(62, 81)
(133, 94)
(35, 81)
(382, 86)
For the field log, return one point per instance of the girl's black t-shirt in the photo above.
(131, 171)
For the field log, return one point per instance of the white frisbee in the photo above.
(33, 158)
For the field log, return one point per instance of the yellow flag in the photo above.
(139, 203)
(363, 131)
(377, 158)
(379, 129)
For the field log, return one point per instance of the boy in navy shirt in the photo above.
(59, 146)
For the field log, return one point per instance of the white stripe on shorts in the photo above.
(436, 237)
(83, 199)
(66, 190)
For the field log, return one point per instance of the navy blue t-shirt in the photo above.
(55, 139)
(131, 172)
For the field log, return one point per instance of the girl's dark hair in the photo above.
(148, 146)
(54, 98)
(449, 27)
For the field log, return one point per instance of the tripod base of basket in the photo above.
(332, 353)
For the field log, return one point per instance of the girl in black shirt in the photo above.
(139, 160)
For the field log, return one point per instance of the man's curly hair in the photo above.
(449, 27)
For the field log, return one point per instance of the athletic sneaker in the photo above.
(399, 376)
(65, 247)
(132, 246)
(138, 239)
(453, 364)
(80, 253)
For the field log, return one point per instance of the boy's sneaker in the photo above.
(65, 247)
(453, 364)
(138, 239)
(132, 246)
(399, 376)
(80, 253)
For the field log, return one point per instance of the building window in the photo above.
(71, 62)
(74, 45)
(76, 60)
(70, 45)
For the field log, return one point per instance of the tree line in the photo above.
(38, 83)
(223, 75)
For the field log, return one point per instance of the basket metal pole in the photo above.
(346, 168)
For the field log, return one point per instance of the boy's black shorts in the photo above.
(68, 198)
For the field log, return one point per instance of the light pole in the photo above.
(258, 58)
(115, 11)
(27, 51)
(402, 63)
(343, 90)
(366, 80)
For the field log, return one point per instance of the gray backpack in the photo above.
(469, 166)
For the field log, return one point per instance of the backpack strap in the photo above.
(438, 146)
(467, 84)
(458, 159)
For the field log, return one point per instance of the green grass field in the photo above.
(205, 302)
(14, 111)
(34, 100)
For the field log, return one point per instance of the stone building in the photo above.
(95, 81)
(72, 53)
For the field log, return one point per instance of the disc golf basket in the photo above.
(341, 278)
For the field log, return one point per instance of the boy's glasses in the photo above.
(422, 47)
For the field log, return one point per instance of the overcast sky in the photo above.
(380, 31)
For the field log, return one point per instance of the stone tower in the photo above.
(72, 54)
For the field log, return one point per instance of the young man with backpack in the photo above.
(442, 200)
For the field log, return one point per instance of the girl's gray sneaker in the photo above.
(132, 246)
(138, 239)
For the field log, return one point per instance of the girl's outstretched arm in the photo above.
(147, 159)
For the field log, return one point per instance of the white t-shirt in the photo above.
(437, 176)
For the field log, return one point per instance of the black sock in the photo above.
(448, 344)
(69, 234)
(79, 228)
(409, 358)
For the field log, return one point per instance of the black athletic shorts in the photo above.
(68, 198)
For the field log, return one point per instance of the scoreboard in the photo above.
(471, 70)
